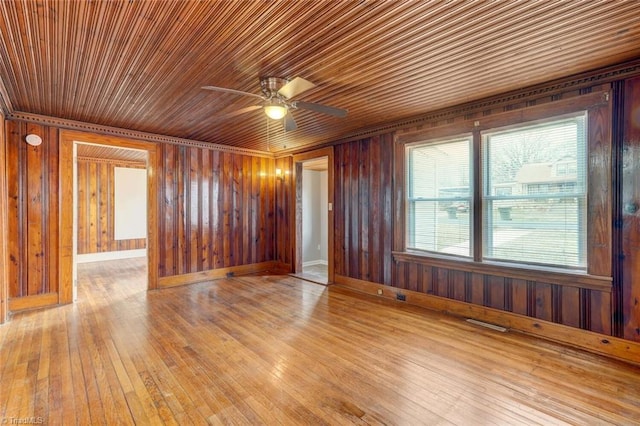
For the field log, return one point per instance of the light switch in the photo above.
(330, 206)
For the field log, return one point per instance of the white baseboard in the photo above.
(314, 262)
(110, 255)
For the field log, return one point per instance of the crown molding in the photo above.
(128, 163)
(131, 134)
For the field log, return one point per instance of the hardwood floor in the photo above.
(280, 350)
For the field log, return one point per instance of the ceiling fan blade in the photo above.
(295, 87)
(325, 109)
(289, 123)
(235, 92)
(237, 112)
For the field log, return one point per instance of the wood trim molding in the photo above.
(296, 225)
(281, 268)
(617, 210)
(601, 344)
(398, 196)
(212, 274)
(62, 123)
(67, 139)
(525, 114)
(4, 219)
(33, 302)
(128, 163)
(296, 217)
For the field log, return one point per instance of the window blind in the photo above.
(439, 197)
(534, 193)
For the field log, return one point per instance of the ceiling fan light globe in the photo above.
(275, 112)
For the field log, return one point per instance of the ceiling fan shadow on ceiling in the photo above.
(277, 100)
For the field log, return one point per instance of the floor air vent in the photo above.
(487, 325)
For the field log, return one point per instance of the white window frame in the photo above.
(580, 192)
(410, 200)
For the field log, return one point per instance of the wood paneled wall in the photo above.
(630, 198)
(221, 209)
(284, 199)
(544, 298)
(96, 208)
(217, 210)
(32, 178)
(363, 209)
(367, 227)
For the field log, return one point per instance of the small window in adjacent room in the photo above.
(439, 197)
(534, 193)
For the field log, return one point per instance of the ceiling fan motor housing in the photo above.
(271, 85)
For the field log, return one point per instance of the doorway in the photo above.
(313, 242)
(110, 219)
(67, 248)
(315, 262)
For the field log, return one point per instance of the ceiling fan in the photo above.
(277, 100)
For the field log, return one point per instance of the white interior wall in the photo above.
(324, 216)
(314, 217)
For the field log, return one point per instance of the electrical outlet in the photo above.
(379, 292)
(401, 297)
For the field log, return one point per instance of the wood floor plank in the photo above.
(30, 383)
(13, 371)
(42, 377)
(141, 403)
(280, 350)
(80, 391)
(64, 379)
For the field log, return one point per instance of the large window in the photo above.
(534, 193)
(439, 197)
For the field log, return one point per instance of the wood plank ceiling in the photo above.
(102, 152)
(140, 64)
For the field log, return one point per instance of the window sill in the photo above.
(531, 273)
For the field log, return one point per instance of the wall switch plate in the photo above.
(330, 206)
